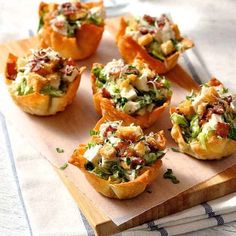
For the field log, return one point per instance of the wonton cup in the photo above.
(125, 190)
(215, 148)
(105, 107)
(130, 49)
(83, 45)
(41, 104)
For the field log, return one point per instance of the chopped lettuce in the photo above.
(155, 50)
(179, 119)
(194, 127)
(23, 89)
(53, 92)
(152, 157)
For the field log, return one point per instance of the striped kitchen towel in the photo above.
(213, 213)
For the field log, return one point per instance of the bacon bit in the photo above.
(229, 99)
(109, 129)
(206, 116)
(136, 161)
(149, 19)
(131, 70)
(218, 109)
(11, 70)
(222, 129)
(70, 62)
(121, 146)
(143, 30)
(67, 8)
(78, 5)
(39, 70)
(105, 93)
(214, 82)
(159, 85)
(161, 23)
(59, 24)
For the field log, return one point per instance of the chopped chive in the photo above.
(59, 150)
(169, 175)
(63, 167)
(93, 132)
(175, 149)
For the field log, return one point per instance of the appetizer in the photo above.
(74, 29)
(43, 82)
(204, 125)
(156, 40)
(130, 92)
(120, 161)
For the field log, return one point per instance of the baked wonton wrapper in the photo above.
(105, 107)
(130, 49)
(80, 47)
(125, 190)
(43, 105)
(215, 148)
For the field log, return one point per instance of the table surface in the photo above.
(211, 24)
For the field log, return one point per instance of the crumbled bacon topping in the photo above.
(222, 129)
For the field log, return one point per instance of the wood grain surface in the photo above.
(219, 185)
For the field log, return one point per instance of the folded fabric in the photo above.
(213, 213)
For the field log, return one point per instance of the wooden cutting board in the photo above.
(220, 185)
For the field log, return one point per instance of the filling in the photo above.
(69, 17)
(159, 36)
(134, 89)
(212, 112)
(120, 153)
(43, 71)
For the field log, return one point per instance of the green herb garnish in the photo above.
(59, 150)
(93, 132)
(169, 175)
(63, 167)
(175, 149)
(89, 145)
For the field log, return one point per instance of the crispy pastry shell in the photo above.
(80, 47)
(124, 190)
(130, 49)
(105, 107)
(215, 148)
(44, 105)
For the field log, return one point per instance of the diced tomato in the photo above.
(222, 129)
(105, 93)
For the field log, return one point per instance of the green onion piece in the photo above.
(169, 175)
(63, 167)
(59, 150)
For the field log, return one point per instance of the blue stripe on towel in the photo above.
(208, 209)
(10, 155)
(220, 220)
